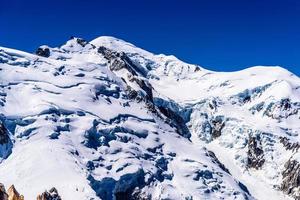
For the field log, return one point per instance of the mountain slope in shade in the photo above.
(108, 120)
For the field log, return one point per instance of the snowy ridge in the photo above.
(108, 120)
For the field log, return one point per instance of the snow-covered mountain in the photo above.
(108, 120)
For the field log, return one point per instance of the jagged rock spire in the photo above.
(52, 194)
(3, 194)
(13, 194)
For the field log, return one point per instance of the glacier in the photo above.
(104, 119)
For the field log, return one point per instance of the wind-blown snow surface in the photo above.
(107, 120)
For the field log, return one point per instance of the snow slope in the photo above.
(108, 120)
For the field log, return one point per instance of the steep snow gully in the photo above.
(108, 120)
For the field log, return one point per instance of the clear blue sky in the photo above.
(223, 35)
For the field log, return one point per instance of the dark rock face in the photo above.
(291, 179)
(246, 99)
(282, 109)
(140, 97)
(212, 126)
(285, 104)
(213, 104)
(3, 194)
(217, 124)
(131, 93)
(52, 194)
(216, 161)
(44, 52)
(82, 42)
(255, 153)
(289, 145)
(119, 60)
(197, 69)
(4, 138)
(144, 86)
(5, 142)
(177, 121)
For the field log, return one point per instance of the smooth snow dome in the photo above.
(218, 35)
(108, 120)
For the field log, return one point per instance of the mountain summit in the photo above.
(108, 120)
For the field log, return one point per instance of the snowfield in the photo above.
(108, 120)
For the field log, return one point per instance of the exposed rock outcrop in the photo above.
(282, 109)
(217, 124)
(217, 161)
(82, 42)
(10, 194)
(255, 153)
(119, 60)
(289, 145)
(144, 86)
(52, 194)
(5, 142)
(3, 194)
(13, 194)
(291, 179)
(43, 51)
(4, 138)
(177, 121)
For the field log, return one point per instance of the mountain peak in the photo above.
(108, 120)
